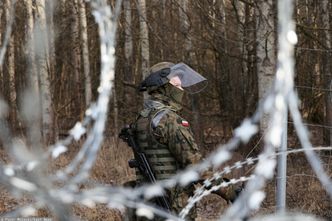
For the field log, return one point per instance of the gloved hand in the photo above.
(229, 193)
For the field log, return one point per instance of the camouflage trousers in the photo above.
(178, 199)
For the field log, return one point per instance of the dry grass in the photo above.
(112, 164)
(111, 168)
(304, 192)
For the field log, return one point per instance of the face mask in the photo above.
(175, 93)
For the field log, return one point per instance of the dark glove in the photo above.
(231, 192)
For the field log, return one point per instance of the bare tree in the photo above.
(224, 20)
(144, 38)
(85, 51)
(324, 9)
(265, 52)
(188, 56)
(130, 64)
(240, 8)
(11, 69)
(1, 70)
(49, 9)
(43, 62)
(34, 133)
(185, 28)
(75, 56)
(12, 87)
(128, 47)
(30, 49)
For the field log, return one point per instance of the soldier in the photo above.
(164, 136)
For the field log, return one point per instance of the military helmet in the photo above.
(161, 73)
(157, 76)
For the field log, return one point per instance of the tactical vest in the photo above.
(160, 158)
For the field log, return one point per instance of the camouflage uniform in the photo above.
(164, 136)
(168, 143)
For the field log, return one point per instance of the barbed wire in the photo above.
(276, 107)
(208, 188)
(31, 179)
(313, 125)
(303, 135)
(313, 49)
(287, 216)
(313, 88)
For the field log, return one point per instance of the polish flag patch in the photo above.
(185, 123)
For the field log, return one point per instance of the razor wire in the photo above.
(115, 197)
(276, 106)
(106, 20)
(284, 98)
(206, 188)
(107, 29)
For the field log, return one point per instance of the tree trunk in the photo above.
(30, 50)
(224, 21)
(11, 71)
(164, 8)
(85, 49)
(327, 69)
(49, 9)
(43, 66)
(115, 114)
(1, 69)
(33, 120)
(144, 40)
(241, 13)
(130, 93)
(239, 105)
(128, 47)
(224, 89)
(12, 87)
(76, 57)
(184, 26)
(265, 51)
(251, 83)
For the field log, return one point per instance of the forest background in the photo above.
(230, 42)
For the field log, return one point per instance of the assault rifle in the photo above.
(142, 163)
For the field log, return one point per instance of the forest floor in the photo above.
(304, 192)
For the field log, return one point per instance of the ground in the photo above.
(304, 192)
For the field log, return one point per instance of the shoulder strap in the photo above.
(158, 116)
(150, 106)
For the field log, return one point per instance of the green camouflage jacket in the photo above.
(160, 128)
(174, 131)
